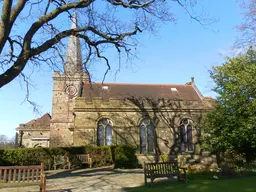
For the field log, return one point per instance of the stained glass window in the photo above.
(147, 136)
(186, 136)
(104, 132)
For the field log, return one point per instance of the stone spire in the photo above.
(73, 55)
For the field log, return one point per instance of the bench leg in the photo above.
(90, 163)
(152, 180)
(43, 183)
(185, 177)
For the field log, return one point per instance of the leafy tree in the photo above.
(31, 31)
(231, 125)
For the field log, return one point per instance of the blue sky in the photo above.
(176, 53)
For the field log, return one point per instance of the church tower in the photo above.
(66, 87)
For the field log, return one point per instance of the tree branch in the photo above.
(100, 28)
(25, 53)
(133, 4)
(4, 23)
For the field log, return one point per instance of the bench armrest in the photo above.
(184, 173)
(184, 169)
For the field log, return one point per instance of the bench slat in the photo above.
(9, 175)
(5, 173)
(19, 175)
(14, 175)
(19, 167)
(24, 175)
(33, 176)
(37, 175)
(28, 175)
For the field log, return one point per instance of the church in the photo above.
(157, 118)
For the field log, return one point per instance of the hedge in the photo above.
(122, 156)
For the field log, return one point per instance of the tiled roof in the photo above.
(44, 120)
(149, 91)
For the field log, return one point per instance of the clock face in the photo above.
(71, 90)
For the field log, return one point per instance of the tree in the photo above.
(31, 32)
(6, 143)
(248, 27)
(231, 125)
(3, 138)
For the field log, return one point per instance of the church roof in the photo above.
(44, 120)
(150, 91)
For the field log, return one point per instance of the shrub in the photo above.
(101, 155)
(121, 156)
(124, 156)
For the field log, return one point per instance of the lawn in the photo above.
(247, 184)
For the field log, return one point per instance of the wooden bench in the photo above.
(64, 162)
(15, 176)
(61, 161)
(164, 169)
(85, 159)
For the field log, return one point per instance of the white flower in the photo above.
(215, 177)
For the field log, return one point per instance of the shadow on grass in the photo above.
(246, 184)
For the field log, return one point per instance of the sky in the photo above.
(177, 52)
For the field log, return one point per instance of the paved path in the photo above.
(85, 180)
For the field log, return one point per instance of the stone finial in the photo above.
(192, 80)
(73, 55)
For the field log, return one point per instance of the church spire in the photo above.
(73, 55)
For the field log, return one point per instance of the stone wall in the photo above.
(126, 117)
(62, 122)
(34, 136)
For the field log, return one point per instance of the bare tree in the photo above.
(6, 143)
(3, 138)
(248, 26)
(31, 32)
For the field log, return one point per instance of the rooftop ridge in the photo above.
(37, 119)
(136, 84)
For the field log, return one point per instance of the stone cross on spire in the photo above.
(73, 55)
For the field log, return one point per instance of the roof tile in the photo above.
(150, 91)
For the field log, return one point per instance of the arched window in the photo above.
(186, 136)
(147, 136)
(104, 132)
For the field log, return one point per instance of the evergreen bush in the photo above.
(122, 156)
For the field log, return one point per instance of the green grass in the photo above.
(247, 184)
